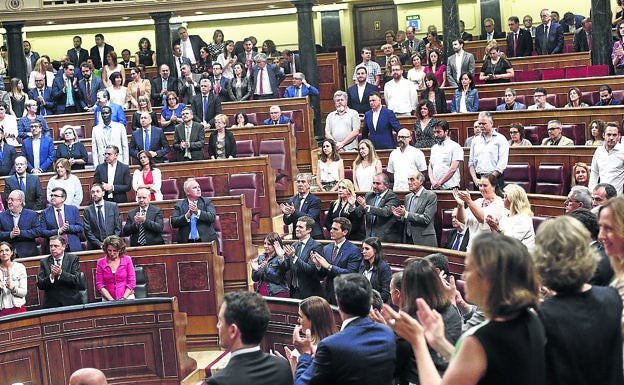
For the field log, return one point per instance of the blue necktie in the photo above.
(22, 187)
(374, 217)
(194, 235)
(147, 142)
(101, 222)
(205, 108)
(457, 241)
(164, 87)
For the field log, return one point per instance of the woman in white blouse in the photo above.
(70, 183)
(518, 219)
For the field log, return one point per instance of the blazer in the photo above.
(65, 290)
(555, 39)
(129, 64)
(304, 271)
(497, 35)
(33, 58)
(122, 182)
(157, 86)
(524, 46)
(380, 279)
(291, 91)
(516, 106)
(452, 72)
(153, 226)
(196, 42)
(347, 261)
(49, 225)
(136, 120)
(46, 153)
(282, 120)
(580, 44)
(230, 144)
(382, 135)
(465, 36)
(420, 222)
(119, 138)
(275, 78)
(60, 96)
(197, 141)
(33, 193)
(94, 52)
(188, 90)
(118, 114)
(212, 109)
(96, 85)
(356, 232)
(24, 244)
(224, 85)
(380, 222)
(440, 100)
(311, 207)
(452, 236)
(256, 368)
(286, 64)
(274, 275)
(354, 102)
(8, 158)
(205, 222)
(367, 352)
(472, 100)
(112, 221)
(47, 107)
(158, 143)
(77, 57)
(238, 92)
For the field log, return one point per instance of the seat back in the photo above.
(576, 132)
(576, 72)
(599, 70)
(80, 132)
(537, 221)
(84, 293)
(247, 185)
(551, 179)
(140, 290)
(520, 174)
(527, 76)
(276, 150)
(487, 104)
(207, 185)
(553, 74)
(531, 133)
(244, 148)
(169, 189)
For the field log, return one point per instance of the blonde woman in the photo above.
(517, 222)
(64, 179)
(344, 206)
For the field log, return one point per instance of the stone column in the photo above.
(17, 61)
(450, 24)
(163, 37)
(307, 55)
(602, 40)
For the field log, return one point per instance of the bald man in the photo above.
(87, 376)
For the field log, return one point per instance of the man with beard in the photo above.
(446, 156)
(343, 125)
(404, 160)
(458, 63)
(400, 93)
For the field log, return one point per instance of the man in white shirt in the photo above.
(400, 94)
(540, 100)
(608, 161)
(343, 125)
(489, 151)
(404, 160)
(190, 44)
(446, 156)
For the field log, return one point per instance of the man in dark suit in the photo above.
(8, 152)
(177, 60)
(89, 87)
(465, 36)
(359, 93)
(247, 56)
(99, 51)
(242, 322)
(59, 276)
(42, 95)
(377, 206)
(189, 138)
(266, 78)
(27, 183)
(190, 44)
(290, 62)
(220, 84)
(46, 157)
(22, 236)
(189, 84)
(101, 218)
(380, 132)
(303, 204)
(304, 276)
(519, 40)
(121, 181)
(339, 257)
(300, 87)
(548, 36)
(490, 30)
(77, 55)
(194, 217)
(412, 44)
(276, 117)
(150, 138)
(418, 213)
(126, 61)
(145, 223)
(65, 91)
(583, 37)
(465, 59)
(61, 219)
(363, 352)
(459, 237)
(30, 56)
(162, 84)
(206, 105)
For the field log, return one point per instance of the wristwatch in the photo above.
(330, 268)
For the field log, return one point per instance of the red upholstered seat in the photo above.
(553, 74)
(247, 185)
(552, 179)
(488, 104)
(244, 148)
(576, 72)
(520, 174)
(207, 186)
(169, 189)
(527, 76)
(598, 70)
(276, 150)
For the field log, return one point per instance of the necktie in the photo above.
(589, 41)
(194, 234)
(294, 281)
(299, 91)
(57, 261)
(545, 42)
(457, 241)
(146, 141)
(164, 87)
(101, 222)
(260, 87)
(334, 254)
(61, 222)
(216, 86)
(374, 217)
(88, 86)
(515, 44)
(205, 107)
(179, 67)
(142, 238)
(22, 186)
(298, 249)
(1, 154)
(70, 94)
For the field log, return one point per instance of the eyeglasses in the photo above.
(403, 137)
(513, 132)
(508, 95)
(553, 128)
(538, 95)
(56, 195)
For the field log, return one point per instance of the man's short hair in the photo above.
(187, 182)
(460, 41)
(555, 122)
(260, 57)
(588, 219)
(361, 68)
(59, 238)
(605, 87)
(305, 175)
(489, 19)
(345, 223)
(99, 35)
(250, 313)
(487, 115)
(582, 195)
(62, 190)
(365, 49)
(443, 124)
(511, 91)
(20, 195)
(542, 90)
(353, 294)
(217, 64)
(114, 148)
(514, 19)
(610, 191)
(126, 50)
(340, 93)
(106, 108)
(439, 261)
(396, 280)
(309, 221)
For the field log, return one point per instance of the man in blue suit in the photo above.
(300, 87)
(22, 236)
(220, 84)
(303, 204)
(339, 257)
(276, 117)
(362, 353)
(153, 136)
(8, 152)
(77, 54)
(101, 218)
(61, 219)
(42, 95)
(304, 276)
(103, 99)
(510, 102)
(363, 88)
(46, 150)
(29, 184)
(266, 78)
(89, 87)
(548, 36)
(381, 132)
(194, 216)
(65, 91)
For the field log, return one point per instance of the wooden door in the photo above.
(371, 23)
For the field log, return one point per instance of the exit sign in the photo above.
(413, 21)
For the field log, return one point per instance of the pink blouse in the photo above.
(116, 283)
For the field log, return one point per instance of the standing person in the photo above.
(417, 73)
(617, 56)
(137, 87)
(114, 176)
(242, 322)
(495, 68)
(412, 44)
(62, 218)
(300, 87)
(418, 213)
(77, 54)
(404, 160)
(109, 133)
(266, 78)
(365, 166)
(30, 116)
(115, 278)
(379, 122)
(359, 93)
(59, 276)
(144, 106)
(194, 216)
(13, 282)
(375, 268)
(7, 159)
(221, 143)
(459, 63)
(269, 270)
(517, 220)
(489, 151)
(29, 184)
(423, 126)
(436, 67)
(110, 67)
(72, 149)
(65, 90)
(304, 276)
(400, 94)
(148, 176)
(303, 203)
(20, 226)
(17, 98)
(377, 206)
(549, 35)
(446, 156)
(466, 96)
(189, 44)
(101, 218)
(608, 161)
(519, 41)
(373, 70)
(98, 52)
(343, 124)
(149, 138)
(144, 223)
(43, 160)
(70, 183)
(330, 167)
(227, 59)
(189, 138)
(205, 105)
(344, 206)
(162, 84)
(434, 94)
(240, 87)
(145, 55)
(42, 94)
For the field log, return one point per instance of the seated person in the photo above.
(495, 68)
(510, 102)
(555, 138)
(606, 97)
(540, 100)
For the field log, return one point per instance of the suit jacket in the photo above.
(153, 226)
(47, 107)
(96, 85)
(580, 44)
(158, 143)
(312, 208)
(420, 222)
(188, 90)
(440, 100)
(524, 46)
(357, 232)
(118, 114)
(33, 193)
(275, 78)
(118, 138)
(224, 86)
(379, 219)
(354, 102)
(33, 58)
(49, 225)
(380, 279)
(516, 106)
(452, 236)
(94, 52)
(347, 261)
(604, 271)
(256, 368)
(563, 141)
(157, 86)
(555, 39)
(129, 64)
(286, 65)
(212, 109)
(497, 35)
(175, 64)
(77, 58)
(282, 120)
(367, 351)
(452, 72)
(65, 290)
(60, 96)
(196, 42)
(25, 245)
(207, 217)
(465, 36)
(122, 182)
(46, 153)
(242, 91)
(112, 221)
(382, 135)
(8, 157)
(197, 140)
(305, 272)
(291, 91)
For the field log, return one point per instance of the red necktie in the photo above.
(260, 87)
(515, 44)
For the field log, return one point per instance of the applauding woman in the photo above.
(344, 206)
(271, 267)
(13, 285)
(148, 176)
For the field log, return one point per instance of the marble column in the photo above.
(602, 41)
(307, 55)
(17, 61)
(164, 51)
(450, 24)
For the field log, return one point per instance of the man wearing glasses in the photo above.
(404, 160)
(61, 219)
(510, 102)
(540, 100)
(42, 94)
(555, 138)
(489, 151)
